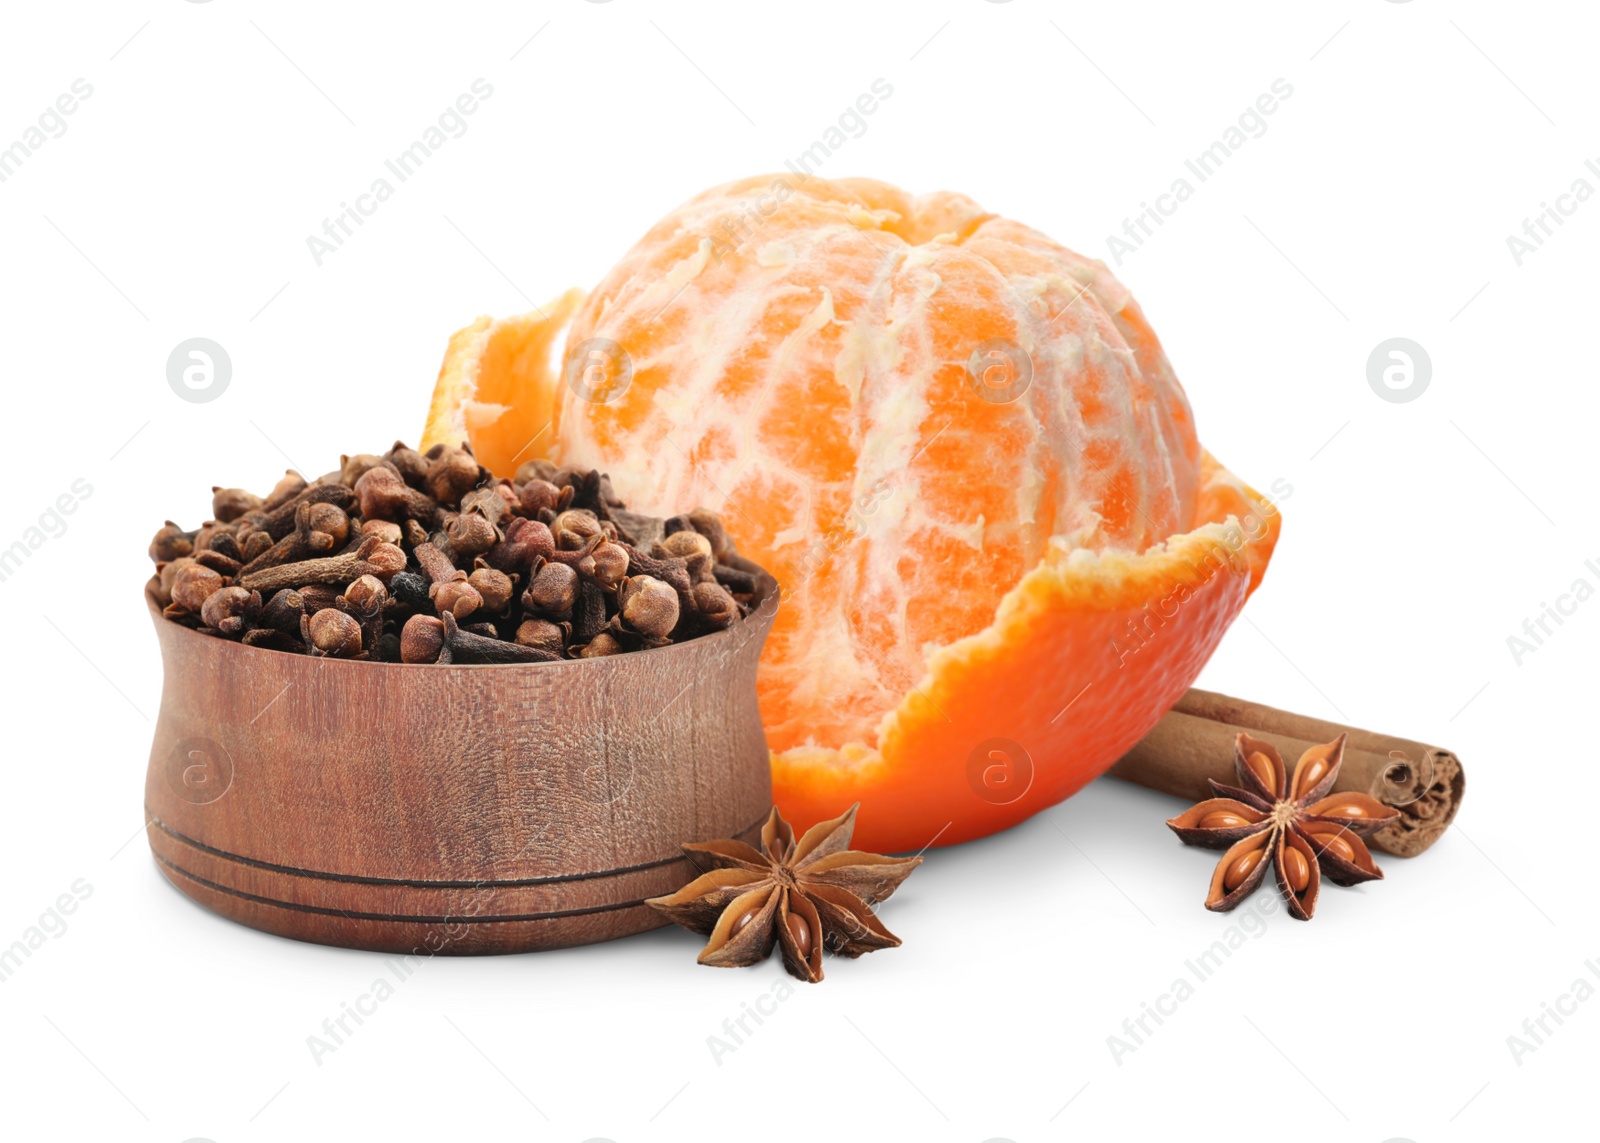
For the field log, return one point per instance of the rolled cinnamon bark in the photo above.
(1194, 743)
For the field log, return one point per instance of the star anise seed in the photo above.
(1288, 822)
(802, 896)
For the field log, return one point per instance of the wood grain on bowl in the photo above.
(450, 809)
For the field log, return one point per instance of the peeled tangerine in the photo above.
(957, 444)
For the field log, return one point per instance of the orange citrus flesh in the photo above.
(957, 444)
(497, 386)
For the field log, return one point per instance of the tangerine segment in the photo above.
(497, 385)
(1084, 656)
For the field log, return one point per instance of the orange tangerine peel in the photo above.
(958, 445)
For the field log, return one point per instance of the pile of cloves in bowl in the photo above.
(416, 557)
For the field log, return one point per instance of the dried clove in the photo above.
(525, 541)
(421, 639)
(284, 611)
(332, 633)
(364, 601)
(448, 643)
(254, 545)
(384, 495)
(217, 562)
(229, 610)
(170, 543)
(693, 549)
(409, 463)
(426, 558)
(409, 590)
(457, 598)
(279, 522)
(538, 495)
(287, 488)
(589, 613)
(648, 606)
(736, 580)
(710, 525)
(353, 468)
(386, 530)
(272, 639)
(228, 504)
(715, 605)
(317, 596)
(495, 589)
(193, 585)
(319, 528)
(543, 634)
(608, 564)
(373, 557)
(553, 591)
(471, 534)
(601, 645)
(452, 473)
(574, 529)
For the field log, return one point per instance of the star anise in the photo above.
(801, 896)
(1292, 820)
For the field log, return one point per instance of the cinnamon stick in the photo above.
(1194, 743)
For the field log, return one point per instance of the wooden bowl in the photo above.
(450, 809)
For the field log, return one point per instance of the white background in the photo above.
(1418, 537)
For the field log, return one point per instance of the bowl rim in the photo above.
(762, 615)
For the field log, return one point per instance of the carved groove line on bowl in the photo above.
(415, 883)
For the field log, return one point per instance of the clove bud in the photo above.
(540, 633)
(648, 606)
(386, 530)
(353, 468)
(452, 473)
(228, 504)
(716, 605)
(228, 609)
(171, 543)
(193, 585)
(553, 591)
(332, 633)
(384, 495)
(290, 485)
(693, 549)
(471, 534)
(421, 639)
(457, 598)
(494, 587)
(409, 463)
(600, 646)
